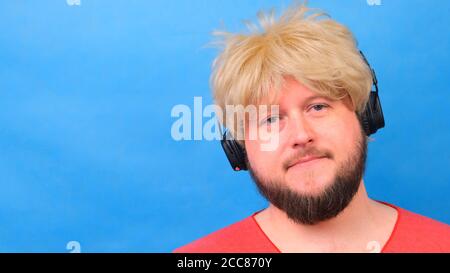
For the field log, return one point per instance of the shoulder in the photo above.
(242, 236)
(417, 233)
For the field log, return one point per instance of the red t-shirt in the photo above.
(412, 233)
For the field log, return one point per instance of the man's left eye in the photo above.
(319, 107)
(270, 120)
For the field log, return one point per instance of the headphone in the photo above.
(371, 119)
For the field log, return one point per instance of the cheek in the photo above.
(262, 161)
(342, 137)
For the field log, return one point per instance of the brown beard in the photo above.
(312, 209)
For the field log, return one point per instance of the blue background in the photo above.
(85, 99)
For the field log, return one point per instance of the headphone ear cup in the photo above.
(372, 118)
(235, 153)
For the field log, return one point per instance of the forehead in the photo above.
(291, 91)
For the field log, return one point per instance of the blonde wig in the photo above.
(302, 43)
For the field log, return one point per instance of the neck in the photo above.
(362, 221)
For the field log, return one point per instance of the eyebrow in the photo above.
(311, 98)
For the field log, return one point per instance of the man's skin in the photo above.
(333, 131)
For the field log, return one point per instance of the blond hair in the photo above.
(310, 47)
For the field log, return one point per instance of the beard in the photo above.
(334, 198)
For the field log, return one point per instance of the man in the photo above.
(310, 68)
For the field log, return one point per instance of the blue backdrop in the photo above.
(86, 93)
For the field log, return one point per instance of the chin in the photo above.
(310, 185)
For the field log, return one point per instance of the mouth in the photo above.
(306, 161)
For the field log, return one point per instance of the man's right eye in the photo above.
(270, 120)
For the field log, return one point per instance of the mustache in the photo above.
(310, 151)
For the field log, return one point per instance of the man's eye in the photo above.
(319, 107)
(270, 120)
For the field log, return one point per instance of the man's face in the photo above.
(316, 168)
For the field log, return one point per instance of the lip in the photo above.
(305, 160)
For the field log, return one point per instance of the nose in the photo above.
(300, 132)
